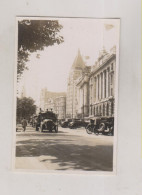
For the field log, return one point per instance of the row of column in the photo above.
(100, 87)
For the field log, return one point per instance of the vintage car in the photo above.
(101, 125)
(47, 121)
(65, 124)
(77, 124)
(105, 126)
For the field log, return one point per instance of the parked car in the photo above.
(101, 125)
(77, 124)
(64, 124)
(47, 121)
(106, 126)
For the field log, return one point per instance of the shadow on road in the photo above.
(68, 154)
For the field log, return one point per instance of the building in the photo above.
(77, 69)
(60, 107)
(82, 85)
(96, 89)
(47, 99)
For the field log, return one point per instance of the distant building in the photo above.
(50, 104)
(60, 107)
(47, 99)
(82, 85)
(77, 69)
(96, 89)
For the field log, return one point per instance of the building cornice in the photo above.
(105, 63)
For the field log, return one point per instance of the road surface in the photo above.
(69, 149)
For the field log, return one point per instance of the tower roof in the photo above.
(78, 62)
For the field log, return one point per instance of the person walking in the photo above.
(24, 124)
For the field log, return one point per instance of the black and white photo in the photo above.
(66, 94)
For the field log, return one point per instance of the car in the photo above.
(64, 124)
(105, 126)
(47, 121)
(77, 124)
(101, 125)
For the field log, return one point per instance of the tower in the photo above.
(76, 71)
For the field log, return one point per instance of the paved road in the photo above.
(69, 149)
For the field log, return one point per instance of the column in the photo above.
(82, 101)
(100, 88)
(96, 88)
(79, 98)
(85, 94)
(107, 83)
(103, 84)
(93, 89)
(86, 100)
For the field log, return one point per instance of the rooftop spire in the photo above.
(79, 51)
(78, 62)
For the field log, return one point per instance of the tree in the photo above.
(35, 35)
(25, 108)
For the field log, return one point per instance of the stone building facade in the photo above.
(82, 85)
(47, 99)
(60, 107)
(96, 89)
(77, 69)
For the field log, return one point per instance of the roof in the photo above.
(78, 62)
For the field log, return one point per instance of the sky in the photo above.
(51, 69)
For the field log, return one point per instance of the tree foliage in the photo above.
(25, 108)
(35, 35)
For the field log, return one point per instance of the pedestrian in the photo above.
(24, 124)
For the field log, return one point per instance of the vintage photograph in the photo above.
(66, 94)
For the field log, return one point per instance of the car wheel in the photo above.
(89, 130)
(102, 127)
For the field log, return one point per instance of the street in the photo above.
(69, 149)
